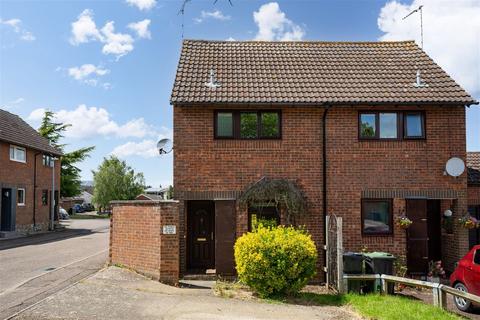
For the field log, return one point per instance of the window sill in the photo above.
(19, 161)
(20, 204)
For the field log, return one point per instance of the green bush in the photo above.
(275, 261)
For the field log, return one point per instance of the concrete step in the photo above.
(9, 234)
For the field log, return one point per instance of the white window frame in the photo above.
(15, 148)
(21, 204)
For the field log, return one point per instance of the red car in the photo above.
(466, 277)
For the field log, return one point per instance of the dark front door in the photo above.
(474, 234)
(201, 237)
(434, 225)
(417, 237)
(6, 210)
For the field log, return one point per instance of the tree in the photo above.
(70, 183)
(170, 192)
(115, 180)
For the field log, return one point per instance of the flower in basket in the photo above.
(436, 270)
(469, 222)
(403, 222)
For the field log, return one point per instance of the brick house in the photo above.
(25, 176)
(473, 168)
(354, 125)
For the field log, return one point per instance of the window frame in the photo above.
(422, 122)
(21, 204)
(45, 193)
(15, 147)
(362, 217)
(236, 134)
(401, 125)
(475, 253)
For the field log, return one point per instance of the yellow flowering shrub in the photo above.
(275, 261)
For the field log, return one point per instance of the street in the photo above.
(34, 268)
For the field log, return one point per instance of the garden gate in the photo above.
(334, 252)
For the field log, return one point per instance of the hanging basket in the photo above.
(469, 222)
(403, 222)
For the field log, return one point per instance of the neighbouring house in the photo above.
(26, 176)
(473, 167)
(153, 194)
(363, 129)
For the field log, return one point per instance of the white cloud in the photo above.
(13, 103)
(216, 14)
(142, 4)
(230, 39)
(88, 122)
(145, 149)
(88, 74)
(451, 34)
(16, 25)
(85, 29)
(141, 28)
(17, 101)
(119, 44)
(86, 70)
(273, 24)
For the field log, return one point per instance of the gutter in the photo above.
(324, 177)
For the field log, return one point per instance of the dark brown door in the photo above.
(225, 223)
(417, 237)
(434, 225)
(201, 237)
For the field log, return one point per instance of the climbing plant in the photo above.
(282, 193)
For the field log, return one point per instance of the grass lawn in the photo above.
(376, 306)
(89, 216)
(371, 306)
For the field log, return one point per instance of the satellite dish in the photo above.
(455, 167)
(447, 213)
(164, 146)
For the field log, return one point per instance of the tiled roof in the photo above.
(473, 167)
(311, 73)
(16, 131)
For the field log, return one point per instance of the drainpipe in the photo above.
(324, 163)
(35, 189)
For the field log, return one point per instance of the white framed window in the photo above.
(18, 154)
(20, 196)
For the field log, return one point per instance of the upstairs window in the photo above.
(47, 160)
(268, 216)
(374, 125)
(18, 154)
(247, 125)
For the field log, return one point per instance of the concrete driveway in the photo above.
(33, 268)
(116, 293)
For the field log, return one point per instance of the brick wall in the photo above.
(203, 165)
(137, 242)
(473, 195)
(20, 175)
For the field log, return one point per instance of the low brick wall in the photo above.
(137, 240)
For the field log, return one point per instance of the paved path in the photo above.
(118, 294)
(35, 267)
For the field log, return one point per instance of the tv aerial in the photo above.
(164, 146)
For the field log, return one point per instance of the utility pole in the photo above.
(52, 197)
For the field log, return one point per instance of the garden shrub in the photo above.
(275, 261)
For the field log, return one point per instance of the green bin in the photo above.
(380, 263)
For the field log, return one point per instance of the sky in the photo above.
(107, 67)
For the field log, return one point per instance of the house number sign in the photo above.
(169, 229)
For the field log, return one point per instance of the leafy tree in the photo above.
(115, 180)
(70, 183)
(170, 192)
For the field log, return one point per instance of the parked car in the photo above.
(77, 208)
(63, 214)
(466, 277)
(88, 207)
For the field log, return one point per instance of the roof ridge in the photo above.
(301, 41)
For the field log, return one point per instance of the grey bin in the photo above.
(353, 263)
(380, 263)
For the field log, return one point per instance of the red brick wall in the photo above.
(203, 164)
(473, 195)
(137, 242)
(20, 175)
(355, 165)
